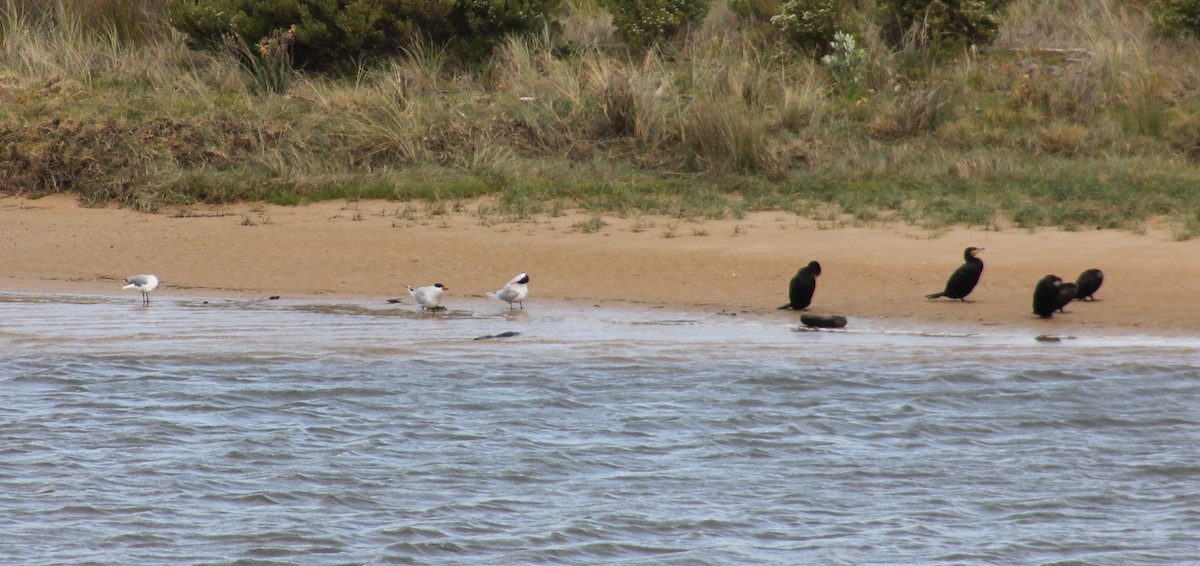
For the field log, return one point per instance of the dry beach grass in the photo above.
(1077, 117)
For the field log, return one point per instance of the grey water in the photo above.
(245, 431)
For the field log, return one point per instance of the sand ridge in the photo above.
(373, 248)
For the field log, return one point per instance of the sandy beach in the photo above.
(372, 249)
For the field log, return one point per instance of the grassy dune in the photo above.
(1077, 117)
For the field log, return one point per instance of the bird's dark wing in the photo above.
(963, 280)
(801, 292)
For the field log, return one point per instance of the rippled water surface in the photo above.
(314, 432)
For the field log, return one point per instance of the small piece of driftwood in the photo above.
(823, 320)
(508, 334)
(1052, 338)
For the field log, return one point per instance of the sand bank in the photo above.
(372, 249)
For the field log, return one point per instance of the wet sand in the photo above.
(372, 249)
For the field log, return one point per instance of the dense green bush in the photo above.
(646, 22)
(479, 25)
(340, 33)
(1176, 17)
(811, 24)
(755, 16)
(941, 23)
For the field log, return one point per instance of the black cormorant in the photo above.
(800, 291)
(1089, 282)
(963, 280)
(1066, 294)
(1045, 296)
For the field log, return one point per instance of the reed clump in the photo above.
(1078, 115)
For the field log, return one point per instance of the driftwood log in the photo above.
(508, 334)
(823, 320)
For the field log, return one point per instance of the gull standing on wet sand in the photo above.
(144, 283)
(429, 297)
(515, 291)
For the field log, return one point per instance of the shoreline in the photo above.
(485, 309)
(369, 250)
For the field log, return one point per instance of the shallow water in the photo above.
(307, 432)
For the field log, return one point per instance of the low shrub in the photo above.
(810, 25)
(941, 23)
(847, 63)
(1176, 17)
(643, 23)
(340, 34)
(756, 15)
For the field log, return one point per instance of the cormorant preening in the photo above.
(1045, 296)
(1089, 282)
(800, 291)
(963, 280)
(1066, 294)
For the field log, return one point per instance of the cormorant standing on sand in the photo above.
(1066, 294)
(1089, 282)
(1045, 296)
(800, 291)
(964, 279)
